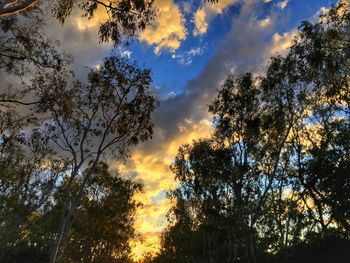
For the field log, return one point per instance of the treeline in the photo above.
(272, 184)
(59, 199)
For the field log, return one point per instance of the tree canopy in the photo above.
(272, 183)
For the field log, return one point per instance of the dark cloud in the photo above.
(78, 37)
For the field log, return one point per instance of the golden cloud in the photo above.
(169, 28)
(283, 4)
(153, 169)
(94, 23)
(281, 43)
(167, 31)
(205, 13)
(200, 22)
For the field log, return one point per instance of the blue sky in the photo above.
(172, 74)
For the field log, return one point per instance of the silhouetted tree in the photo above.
(276, 171)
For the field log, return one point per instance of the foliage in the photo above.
(272, 183)
(23, 45)
(100, 233)
(63, 137)
(124, 18)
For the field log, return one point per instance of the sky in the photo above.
(190, 48)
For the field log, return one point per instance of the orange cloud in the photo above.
(205, 13)
(153, 170)
(168, 31)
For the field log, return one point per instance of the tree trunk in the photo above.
(67, 219)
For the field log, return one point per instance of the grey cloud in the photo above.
(83, 44)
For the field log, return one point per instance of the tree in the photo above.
(87, 122)
(101, 232)
(200, 230)
(124, 18)
(24, 46)
(104, 223)
(81, 124)
(104, 219)
(276, 171)
(29, 172)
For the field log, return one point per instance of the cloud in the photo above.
(281, 42)
(206, 12)
(182, 59)
(195, 51)
(283, 4)
(242, 50)
(153, 170)
(186, 58)
(265, 22)
(168, 31)
(201, 25)
(125, 54)
(78, 36)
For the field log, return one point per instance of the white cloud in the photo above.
(195, 51)
(185, 58)
(126, 54)
(182, 59)
(265, 22)
(171, 94)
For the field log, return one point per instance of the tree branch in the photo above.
(8, 7)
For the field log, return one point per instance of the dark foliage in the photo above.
(272, 184)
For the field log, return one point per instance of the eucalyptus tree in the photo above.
(104, 220)
(322, 56)
(88, 122)
(124, 18)
(276, 170)
(200, 230)
(29, 172)
(219, 182)
(30, 168)
(81, 123)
